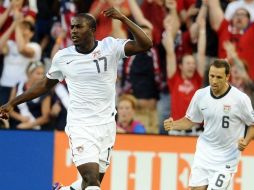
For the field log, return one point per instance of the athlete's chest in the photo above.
(96, 64)
(213, 109)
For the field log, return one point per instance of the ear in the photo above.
(227, 77)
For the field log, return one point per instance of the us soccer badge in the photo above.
(226, 108)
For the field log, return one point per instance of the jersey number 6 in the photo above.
(225, 121)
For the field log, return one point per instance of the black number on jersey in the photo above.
(219, 181)
(97, 62)
(225, 121)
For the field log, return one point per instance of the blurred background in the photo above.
(152, 86)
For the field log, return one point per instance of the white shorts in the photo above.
(92, 144)
(216, 180)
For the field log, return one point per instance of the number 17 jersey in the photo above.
(90, 80)
(224, 120)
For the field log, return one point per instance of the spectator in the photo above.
(183, 81)
(137, 14)
(125, 117)
(8, 14)
(144, 78)
(238, 30)
(35, 113)
(233, 6)
(239, 75)
(18, 54)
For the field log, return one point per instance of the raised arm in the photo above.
(97, 7)
(168, 43)
(216, 14)
(23, 48)
(4, 38)
(232, 55)
(141, 41)
(4, 16)
(138, 15)
(172, 18)
(202, 14)
(201, 58)
(35, 91)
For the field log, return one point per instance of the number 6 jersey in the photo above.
(224, 120)
(91, 81)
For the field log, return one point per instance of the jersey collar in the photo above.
(221, 96)
(95, 45)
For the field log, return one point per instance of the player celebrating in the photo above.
(89, 68)
(225, 111)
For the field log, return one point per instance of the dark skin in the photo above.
(83, 39)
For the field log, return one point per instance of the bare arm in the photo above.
(4, 38)
(95, 11)
(233, 56)
(35, 91)
(243, 142)
(216, 14)
(22, 44)
(172, 18)
(201, 58)
(195, 26)
(181, 124)
(141, 43)
(4, 16)
(168, 43)
(138, 15)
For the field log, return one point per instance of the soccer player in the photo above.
(89, 68)
(225, 111)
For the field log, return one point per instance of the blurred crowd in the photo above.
(152, 86)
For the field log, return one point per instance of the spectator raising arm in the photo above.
(201, 57)
(168, 43)
(5, 37)
(172, 17)
(4, 16)
(216, 14)
(234, 58)
(23, 40)
(202, 14)
(138, 15)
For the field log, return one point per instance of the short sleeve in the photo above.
(247, 112)
(193, 112)
(54, 71)
(119, 47)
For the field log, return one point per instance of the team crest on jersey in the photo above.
(227, 108)
(96, 54)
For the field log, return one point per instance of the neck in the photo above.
(222, 91)
(86, 47)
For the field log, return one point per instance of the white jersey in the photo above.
(224, 120)
(91, 81)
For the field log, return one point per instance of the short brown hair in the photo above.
(221, 63)
(130, 98)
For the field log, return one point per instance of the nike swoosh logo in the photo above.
(69, 62)
(203, 108)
